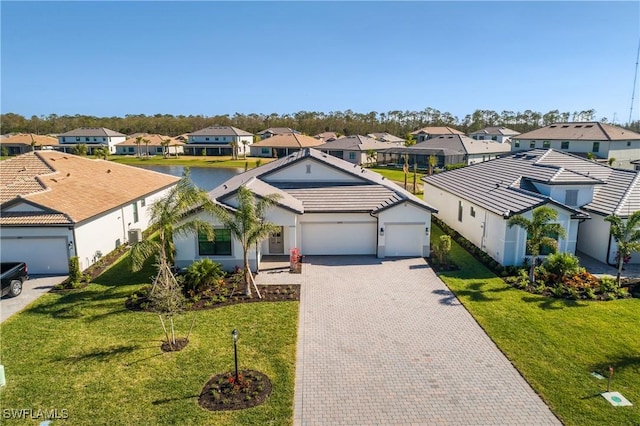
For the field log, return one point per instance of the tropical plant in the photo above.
(442, 249)
(101, 152)
(562, 265)
(539, 232)
(234, 149)
(372, 156)
(146, 146)
(138, 141)
(627, 236)
(246, 223)
(80, 149)
(611, 161)
(433, 162)
(75, 275)
(165, 147)
(203, 274)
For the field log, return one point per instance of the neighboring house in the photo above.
(274, 131)
(25, 142)
(218, 140)
(327, 136)
(55, 205)
(499, 134)
(636, 165)
(448, 150)
(477, 201)
(92, 137)
(426, 133)
(601, 140)
(328, 206)
(153, 147)
(386, 137)
(355, 149)
(282, 145)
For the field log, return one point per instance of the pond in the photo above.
(205, 178)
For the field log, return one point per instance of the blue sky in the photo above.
(117, 58)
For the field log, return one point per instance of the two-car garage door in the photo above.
(327, 238)
(42, 255)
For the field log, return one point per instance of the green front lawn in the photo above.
(84, 352)
(191, 161)
(397, 175)
(556, 344)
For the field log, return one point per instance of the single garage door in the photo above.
(404, 240)
(326, 238)
(42, 255)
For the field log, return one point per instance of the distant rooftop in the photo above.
(590, 131)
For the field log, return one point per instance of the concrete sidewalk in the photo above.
(31, 290)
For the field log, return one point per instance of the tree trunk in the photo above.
(247, 281)
(619, 275)
(532, 272)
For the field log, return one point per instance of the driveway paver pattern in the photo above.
(385, 342)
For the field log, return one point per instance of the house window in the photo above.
(532, 144)
(266, 150)
(95, 139)
(219, 246)
(628, 143)
(516, 144)
(545, 250)
(206, 139)
(86, 139)
(159, 150)
(460, 209)
(494, 138)
(571, 197)
(104, 139)
(564, 145)
(473, 212)
(596, 147)
(135, 212)
(216, 139)
(143, 202)
(352, 155)
(131, 149)
(77, 139)
(546, 144)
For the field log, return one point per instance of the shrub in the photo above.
(562, 265)
(202, 275)
(442, 249)
(75, 275)
(608, 285)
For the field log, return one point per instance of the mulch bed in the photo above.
(222, 392)
(179, 345)
(438, 267)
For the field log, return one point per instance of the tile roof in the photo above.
(505, 184)
(454, 145)
(220, 131)
(154, 140)
(371, 192)
(288, 140)
(78, 187)
(437, 130)
(386, 137)
(504, 131)
(92, 131)
(27, 138)
(326, 136)
(354, 143)
(277, 131)
(590, 131)
(34, 218)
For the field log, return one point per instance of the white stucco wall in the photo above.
(405, 213)
(317, 172)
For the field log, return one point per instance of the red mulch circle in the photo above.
(179, 345)
(222, 392)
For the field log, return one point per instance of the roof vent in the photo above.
(553, 127)
(578, 126)
(108, 170)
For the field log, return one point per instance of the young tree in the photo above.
(539, 231)
(138, 142)
(146, 146)
(234, 149)
(433, 162)
(80, 149)
(372, 156)
(247, 224)
(165, 147)
(101, 152)
(627, 236)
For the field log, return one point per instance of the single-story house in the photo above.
(429, 132)
(494, 133)
(150, 144)
(282, 145)
(477, 201)
(92, 137)
(20, 143)
(356, 149)
(448, 150)
(218, 140)
(327, 206)
(55, 205)
(274, 131)
(600, 140)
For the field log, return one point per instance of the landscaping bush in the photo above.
(203, 275)
(561, 265)
(75, 275)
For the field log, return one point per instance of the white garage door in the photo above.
(403, 240)
(42, 255)
(339, 238)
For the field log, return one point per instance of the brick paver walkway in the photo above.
(385, 342)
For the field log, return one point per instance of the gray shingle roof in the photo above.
(91, 132)
(504, 184)
(354, 143)
(220, 131)
(369, 192)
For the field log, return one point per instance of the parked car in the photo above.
(13, 275)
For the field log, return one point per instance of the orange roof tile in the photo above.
(27, 138)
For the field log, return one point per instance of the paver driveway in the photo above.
(385, 342)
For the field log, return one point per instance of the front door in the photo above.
(276, 245)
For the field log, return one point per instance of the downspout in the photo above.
(609, 251)
(377, 232)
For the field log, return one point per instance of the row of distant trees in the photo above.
(309, 122)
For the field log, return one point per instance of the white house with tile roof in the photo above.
(429, 132)
(93, 137)
(603, 141)
(356, 149)
(218, 140)
(20, 143)
(477, 201)
(495, 133)
(282, 145)
(275, 131)
(327, 206)
(56, 205)
(151, 144)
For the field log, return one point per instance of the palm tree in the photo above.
(146, 146)
(627, 236)
(165, 147)
(168, 215)
(433, 162)
(372, 156)
(138, 142)
(539, 232)
(247, 225)
(234, 149)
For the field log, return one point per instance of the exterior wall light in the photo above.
(70, 245)
(426, 231)
(381, 231)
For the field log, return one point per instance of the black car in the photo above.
(13, 274)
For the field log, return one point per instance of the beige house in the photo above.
(26, 142)
(151, 144)
(282, 145)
